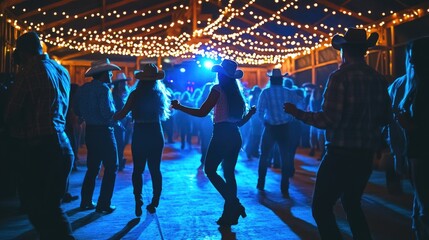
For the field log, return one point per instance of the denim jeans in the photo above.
(146, 147)
(224, 148)
(343, 174)
(101, 147)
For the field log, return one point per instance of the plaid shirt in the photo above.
(270, 104)
(356, 106)
(39, 99)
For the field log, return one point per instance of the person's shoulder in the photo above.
(216, 87)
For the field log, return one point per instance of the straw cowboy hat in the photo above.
(229, 68)
(121, 77)
(354, 36)
(276, 72)
(149, 72)
(101, 66)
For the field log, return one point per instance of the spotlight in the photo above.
(182, 70)
(208, 64)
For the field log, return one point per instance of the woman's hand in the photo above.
(252, 110)
(175, 104)
(290, 108)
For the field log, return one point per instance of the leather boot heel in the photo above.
(153, 205)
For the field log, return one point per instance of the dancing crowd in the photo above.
(350, 120)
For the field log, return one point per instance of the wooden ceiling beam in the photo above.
(45, 8)
(83, 53)
(310, 30)
(7, 3)
(70, 19)
(342, 9)
(128, 26)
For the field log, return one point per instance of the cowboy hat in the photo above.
(276, 72)
(29, 42)
(229, 68)
(149, 72)
(354, 36)
(101, 66)
(121, 77)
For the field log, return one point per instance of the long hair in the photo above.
(154, 93)
(234, 96)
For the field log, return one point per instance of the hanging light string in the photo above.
(239, 43)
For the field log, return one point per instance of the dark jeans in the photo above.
(224, 146)
(120, 142)
(147, 146)
(279, 134)
(343, 173)
(101, 147)
(44, 166)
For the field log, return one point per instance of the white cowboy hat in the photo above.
(354, 36)
(121, 77)
(228, 68)
(101, 66)
(149, 72)
(276, 72)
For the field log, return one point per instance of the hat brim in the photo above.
(338, 41)
(149, 77)
(101, 68)
(284, 75)
(219, 69)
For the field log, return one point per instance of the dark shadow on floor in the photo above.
(301, 228)
(126, 229)
(78, 223)
(136, 232)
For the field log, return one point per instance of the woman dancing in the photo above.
(229, 114)
(149, 105)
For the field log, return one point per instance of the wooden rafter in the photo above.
(83, 53)
(342, 8)
(262, 38)
(310, 30)
(45, 8)
(128, 26)
(67, 20)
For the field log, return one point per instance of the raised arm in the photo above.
(203, 110)
(247, 117)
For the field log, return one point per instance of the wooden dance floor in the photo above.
(190, 205)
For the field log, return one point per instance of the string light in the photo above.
(208, 41)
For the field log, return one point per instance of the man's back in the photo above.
(39, 98)
(357, 104)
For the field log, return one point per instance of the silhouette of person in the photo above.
(414, 120)
(229, 113)
(149, 104)
(355, 108)
(95, 105)
(278, 127)
(36, 117)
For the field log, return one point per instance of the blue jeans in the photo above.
(224, 147)
(146, 147)
(101, 147)
(343, 173)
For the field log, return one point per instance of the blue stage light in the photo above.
(208, 64)
(182, 70)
